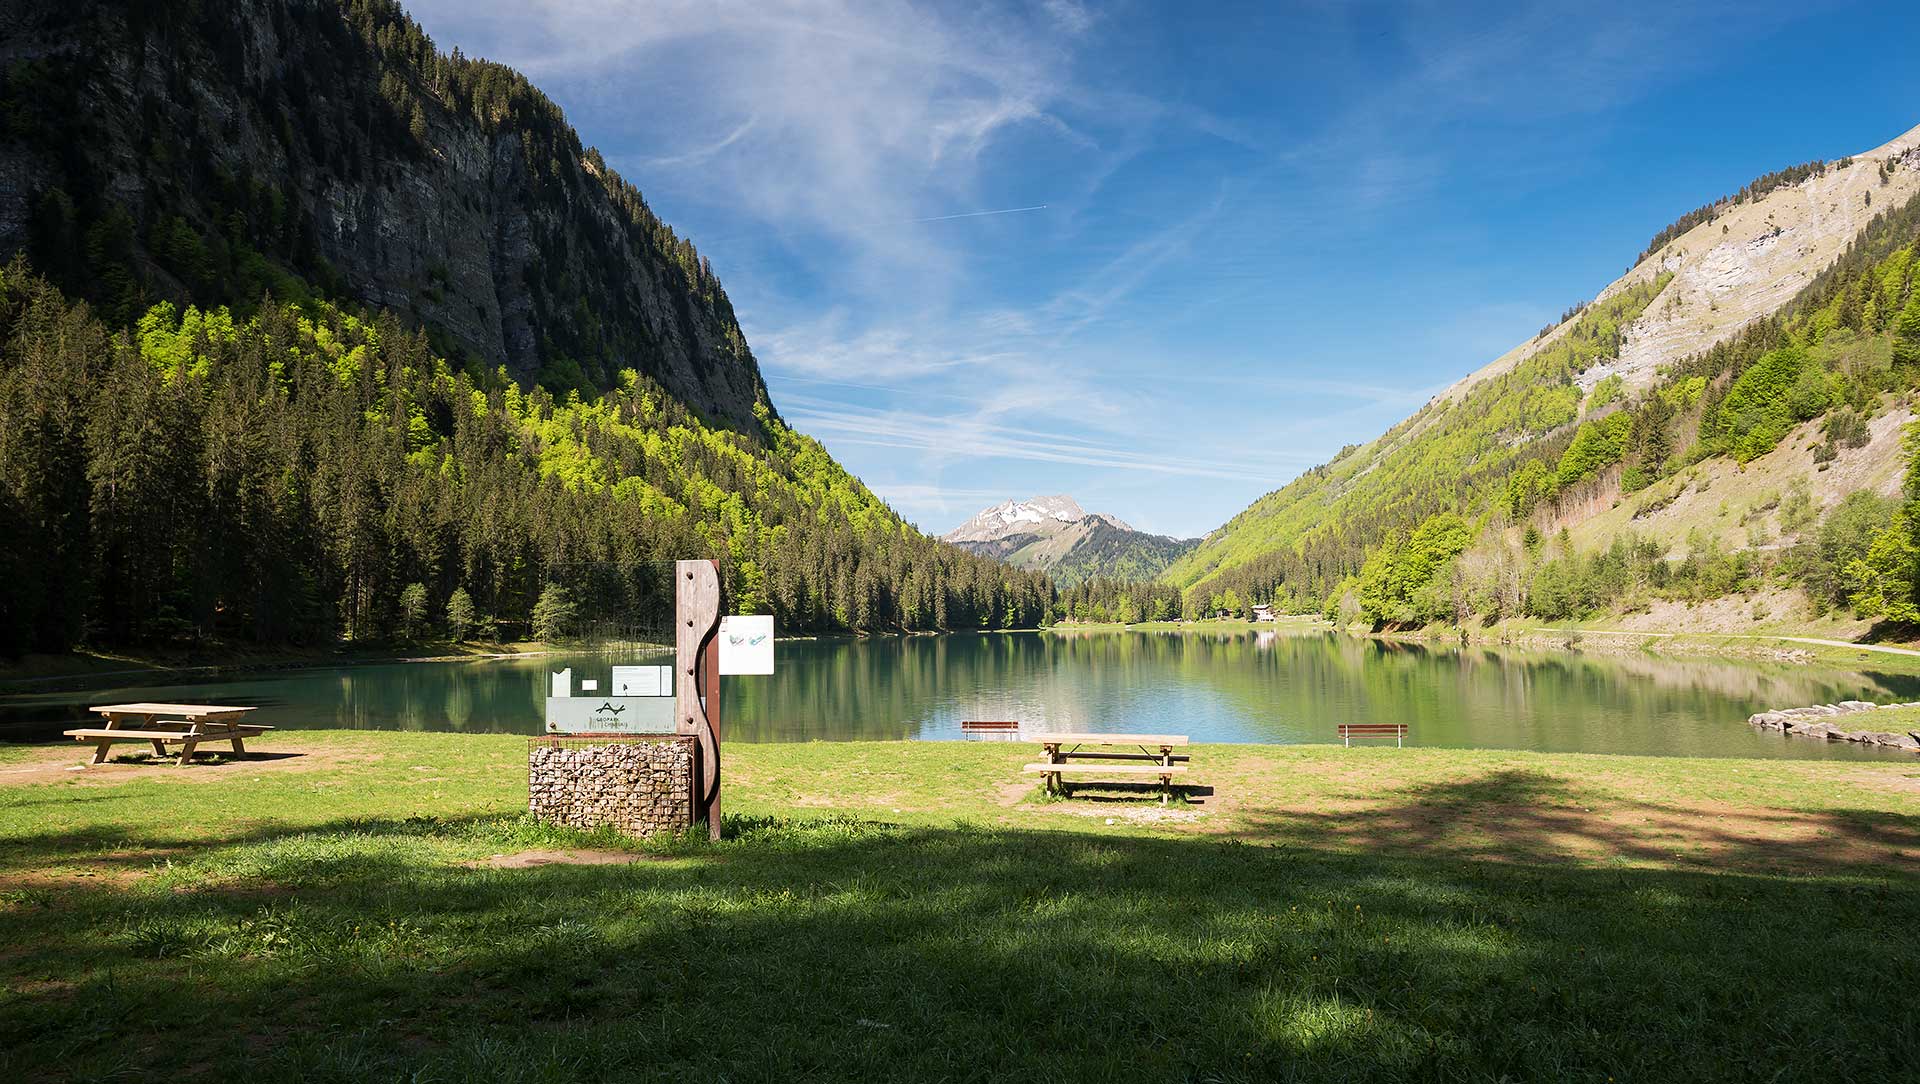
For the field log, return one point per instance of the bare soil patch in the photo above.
(69, 764)
(536, 858)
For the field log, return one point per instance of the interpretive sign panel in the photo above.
(643, 681)
(609, 714)
(746, 644)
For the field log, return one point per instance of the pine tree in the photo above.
(459, 614)
(413, 610)
(1906, 332)
(553, 615)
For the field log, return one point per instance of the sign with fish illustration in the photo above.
(746, 644)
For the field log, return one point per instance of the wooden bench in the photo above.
(161, 725)
(1005, 729)
(1350, 731)
(1156, 750)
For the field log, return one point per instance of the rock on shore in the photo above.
(1818, 722)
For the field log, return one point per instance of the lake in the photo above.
(1290, 685)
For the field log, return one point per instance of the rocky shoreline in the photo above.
(1818, 722)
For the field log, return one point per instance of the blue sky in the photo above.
(1234, 237)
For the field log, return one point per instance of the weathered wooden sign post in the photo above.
(697, 679)
(611, 759)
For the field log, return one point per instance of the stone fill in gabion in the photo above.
(637, 786)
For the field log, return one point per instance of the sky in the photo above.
(1164, 257)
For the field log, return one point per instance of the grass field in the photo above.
(376, 907)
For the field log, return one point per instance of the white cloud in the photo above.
(979, 437)
(844, 121)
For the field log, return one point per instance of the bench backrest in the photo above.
(989, 724)
(1347, 729)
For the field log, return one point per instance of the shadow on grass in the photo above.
(1533, 817)
(1133, 794)
(843, 949)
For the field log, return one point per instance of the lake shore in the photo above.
(879, 908)
(79, 668)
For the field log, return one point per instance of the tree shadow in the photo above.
(1515, 815)
(842, 949)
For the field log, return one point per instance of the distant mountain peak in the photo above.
(1018, 517)
(1055, 534)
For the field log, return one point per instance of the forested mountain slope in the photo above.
(283, 274)
(208, 153)
(1790, 304)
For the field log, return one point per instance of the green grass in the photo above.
(910, 912)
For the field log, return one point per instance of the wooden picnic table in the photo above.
(1155, 757)
(185, 725)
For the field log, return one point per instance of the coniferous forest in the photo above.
(307, 473)
(489, 401)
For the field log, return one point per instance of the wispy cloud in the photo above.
(845, 122)
(923, 432)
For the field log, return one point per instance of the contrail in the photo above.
(977, 214)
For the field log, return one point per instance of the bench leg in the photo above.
(187, 746)
(100, 752)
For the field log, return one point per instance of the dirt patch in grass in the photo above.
(583, 857)
(1893, 781)
(1008, 795)
(69, 764)
(108, 871)
(1633, 832)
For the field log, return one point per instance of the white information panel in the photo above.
(643, 681)
(746, 644)
(610, 714)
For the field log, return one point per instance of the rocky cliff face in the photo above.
(1741, 263)
(206, 152)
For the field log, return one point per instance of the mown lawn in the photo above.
(912, 912)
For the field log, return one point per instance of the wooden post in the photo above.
(710, 695)
(696, 670)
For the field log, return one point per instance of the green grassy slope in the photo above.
(1450, 454)
(1553, 488)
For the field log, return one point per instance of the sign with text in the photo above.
(643, 681)
(746, 644)
(609, 714)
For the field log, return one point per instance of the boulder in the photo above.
(1813, 730)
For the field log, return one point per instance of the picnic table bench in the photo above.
(1350, 731)
(185, 725)
(1155, 758)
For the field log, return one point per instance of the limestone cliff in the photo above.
(207, 152)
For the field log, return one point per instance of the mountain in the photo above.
(313, 332)
(1776, 328)
(1055, 535)
(212, 153)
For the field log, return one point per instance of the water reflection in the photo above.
(1266, 685)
